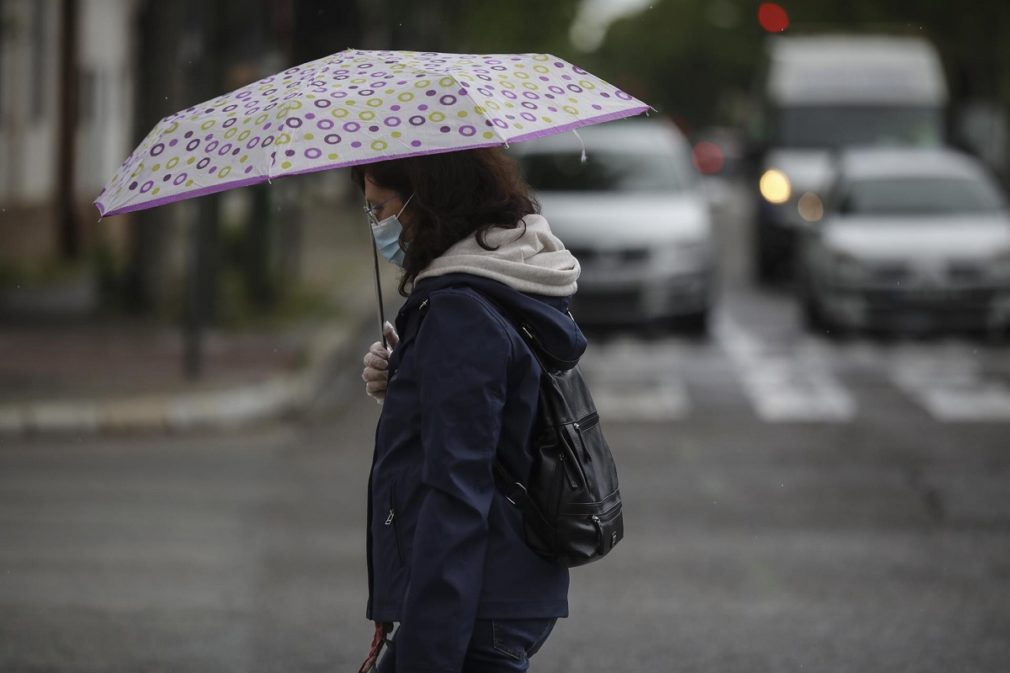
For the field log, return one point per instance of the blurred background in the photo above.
(796, 282)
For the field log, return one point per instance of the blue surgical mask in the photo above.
(387, 236)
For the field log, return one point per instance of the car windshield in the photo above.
(603, 172)
(833, 126)
(920, 196)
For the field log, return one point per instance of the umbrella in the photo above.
(357, 107)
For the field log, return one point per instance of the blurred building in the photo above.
(43, 104)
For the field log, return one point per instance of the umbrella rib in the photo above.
(476, 103)
(459, 86)
(300, 90)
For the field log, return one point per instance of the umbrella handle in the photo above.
(378, 289)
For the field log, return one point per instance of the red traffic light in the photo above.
(773, 17)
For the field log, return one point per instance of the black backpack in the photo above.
(571, 504)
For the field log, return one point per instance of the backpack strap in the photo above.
(513, 489)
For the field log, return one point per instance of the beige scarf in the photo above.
(528, 259)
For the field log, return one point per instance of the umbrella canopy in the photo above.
(357, 107)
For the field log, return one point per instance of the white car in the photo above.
(912, 239)
(821, 93)
(635, 215)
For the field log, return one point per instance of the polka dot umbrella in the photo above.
(358, 107)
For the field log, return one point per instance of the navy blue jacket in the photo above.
(445, 548)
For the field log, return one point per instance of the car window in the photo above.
(841, 126)
(911, 196)
(604, 171)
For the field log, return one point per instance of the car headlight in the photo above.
(775, 186)
(847, 268)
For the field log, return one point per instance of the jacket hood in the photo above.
(528, 258)
(554, 331)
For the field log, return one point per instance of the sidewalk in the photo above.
(117, 375)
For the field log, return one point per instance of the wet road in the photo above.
(792, 504)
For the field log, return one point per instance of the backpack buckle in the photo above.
(515, 493)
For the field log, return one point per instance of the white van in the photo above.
(822, 94)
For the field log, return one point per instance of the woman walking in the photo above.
(447, 561)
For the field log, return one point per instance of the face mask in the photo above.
(387, 236)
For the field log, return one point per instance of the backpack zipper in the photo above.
(588, 422)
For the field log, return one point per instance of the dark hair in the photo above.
(456, 195)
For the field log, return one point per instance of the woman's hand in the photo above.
(376, 374)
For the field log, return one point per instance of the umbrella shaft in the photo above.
(378, 291)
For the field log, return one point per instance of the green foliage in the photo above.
(691, 58)
(47, 271)
(682, 57)
(507, 27)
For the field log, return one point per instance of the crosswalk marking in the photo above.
(656, 402)
(634, 381)
(952, 387)
(783, 385)
(795, 381)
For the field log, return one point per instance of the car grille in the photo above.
(964, 272)
(890, 273)
(939, 299)
(618, 305)
(956, 274)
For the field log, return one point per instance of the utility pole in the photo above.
(157, 25)
(205, 24)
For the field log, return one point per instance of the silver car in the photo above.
(912, 239)
(634, 214)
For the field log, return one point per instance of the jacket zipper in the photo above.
(590, 421)
(391, 522)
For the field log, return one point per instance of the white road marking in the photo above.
(637, 381)
(784, 385)
(950, 384)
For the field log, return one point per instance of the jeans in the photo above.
(496, 646)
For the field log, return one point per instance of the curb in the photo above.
(223, 409)
(227, 408)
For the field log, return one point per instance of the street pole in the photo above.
(66, 151)
(205, 25)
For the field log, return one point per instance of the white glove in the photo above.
(376, 361)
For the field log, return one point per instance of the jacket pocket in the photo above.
(520, 639)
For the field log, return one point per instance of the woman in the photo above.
(446, 555)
